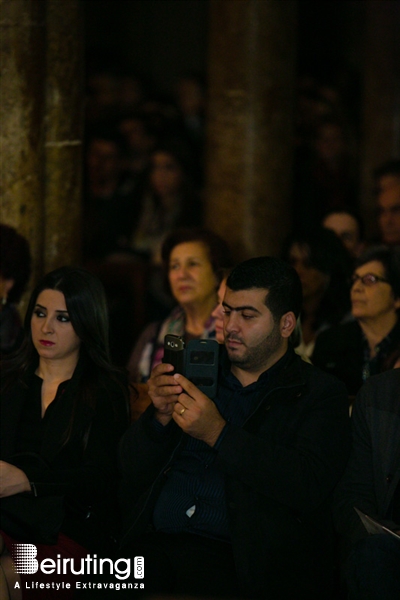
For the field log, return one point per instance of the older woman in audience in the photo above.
(192, 260)
(370, 344)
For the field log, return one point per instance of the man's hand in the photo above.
(12, 480)
(196, 414)
(164, 392)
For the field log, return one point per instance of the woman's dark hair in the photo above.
(218, 250)
(326, 253)
(87, 308)
(15, 261)
(389, 259)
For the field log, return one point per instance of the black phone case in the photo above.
(174, 353)
(201, 366)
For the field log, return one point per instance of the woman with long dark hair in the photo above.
(64, 408)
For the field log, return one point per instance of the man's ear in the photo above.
(287, 324)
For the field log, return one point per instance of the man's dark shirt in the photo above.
(193, 498)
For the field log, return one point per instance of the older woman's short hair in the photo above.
(389, 259)
(217, 248)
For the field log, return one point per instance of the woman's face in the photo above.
(166, 174)
(375, 300)
(218, 313)
(191, 275)
(52, 333)
(314, 282)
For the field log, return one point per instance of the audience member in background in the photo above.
(349, 227)
(190, 98)
(370, 344)
(63, 408)
(101, 96)
(192, 261)
(324, 267)
(131, 92)
(109, 207)
(371, 483)
(328, 183)
(140, 139)
(15, 270)
(168, 200)
(387, 183)
(218, 312)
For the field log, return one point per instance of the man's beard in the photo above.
(254, 358)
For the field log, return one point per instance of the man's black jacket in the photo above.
(280, 470)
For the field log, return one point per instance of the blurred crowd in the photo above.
(152, 268)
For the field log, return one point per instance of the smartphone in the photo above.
(174, 353)
(202, 365)
(198, 361)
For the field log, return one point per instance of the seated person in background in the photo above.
(324, 267)
(218, 312)
(63, 411)
(110, 205)
(168, 200)
(387, 178)
(192, 262)
(348, 226)
(371, 483)
(366, 346)
(230, 498)
(15, 270)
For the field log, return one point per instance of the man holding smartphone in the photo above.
(230, 497)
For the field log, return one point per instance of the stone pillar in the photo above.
(381, 97)
(64, 132)
(250, 123)
(22, 51)
(41, 48)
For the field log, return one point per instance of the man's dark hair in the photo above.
(272, 274)
(348, 211)
(390, 167)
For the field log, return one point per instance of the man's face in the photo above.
(253, 340)
(389, 214)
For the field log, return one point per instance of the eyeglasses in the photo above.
(368, 279)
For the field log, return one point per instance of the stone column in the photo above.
(41, 48)
(250, 123)
(22, 51)
(64, 132)
(381, 98)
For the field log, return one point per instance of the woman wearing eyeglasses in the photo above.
(371, 343)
